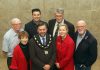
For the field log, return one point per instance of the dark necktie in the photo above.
(56, 32)
(44, 42)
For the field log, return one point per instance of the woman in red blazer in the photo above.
(65, 49)
(21, 59)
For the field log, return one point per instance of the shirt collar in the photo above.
(14, 33)
(60, 22)
(82, 35)
(42, 37)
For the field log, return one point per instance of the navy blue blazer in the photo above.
(31, 28)
(86, 52)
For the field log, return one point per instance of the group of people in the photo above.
(49, 46)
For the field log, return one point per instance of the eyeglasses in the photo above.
(16, 24)
(80, 26)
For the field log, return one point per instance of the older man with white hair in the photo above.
(86, 47)
(59, 19)
(10, 39)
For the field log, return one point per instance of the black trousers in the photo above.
(9, 61)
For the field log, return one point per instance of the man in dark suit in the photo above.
(31, 27)
(42, 51)
(86, 47)
(59, 19)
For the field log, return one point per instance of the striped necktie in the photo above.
(44, 42)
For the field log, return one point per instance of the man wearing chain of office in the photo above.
(42, 51)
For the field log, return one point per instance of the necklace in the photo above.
(41, 45)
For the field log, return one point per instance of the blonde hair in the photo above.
(64, 25)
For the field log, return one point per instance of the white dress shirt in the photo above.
(10, 41)
(55, 27)
(42, 39)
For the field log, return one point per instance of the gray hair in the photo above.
(60, 10)
(15, 21)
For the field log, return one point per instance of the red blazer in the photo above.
(18, 61)
(65, 51)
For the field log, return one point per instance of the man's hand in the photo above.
(57, 64)
(83, 66)
(4, 54)
(46, 67)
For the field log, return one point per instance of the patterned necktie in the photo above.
(44, 42)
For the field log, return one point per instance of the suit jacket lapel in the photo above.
(38, 38)
(80, 43)
(47, 38)
(53, 25)
(85, 37)
(75, 39)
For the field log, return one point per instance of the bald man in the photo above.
(10, 39)
(86, 47)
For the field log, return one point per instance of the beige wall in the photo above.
(74, 10)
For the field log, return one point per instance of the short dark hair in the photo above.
(36, 10)
(22, 34)
(41, 23)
